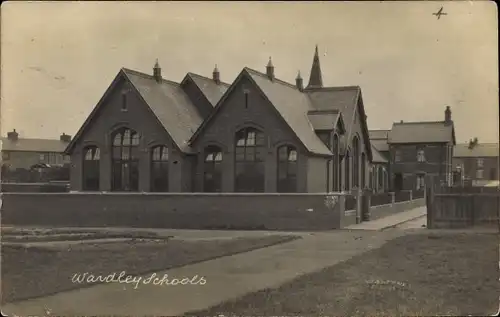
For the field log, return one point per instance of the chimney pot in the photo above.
(216, 75)
(270, 69)
(65, 138)
(13, 136)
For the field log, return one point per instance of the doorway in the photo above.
(398, 181)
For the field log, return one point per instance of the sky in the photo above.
(58, 58)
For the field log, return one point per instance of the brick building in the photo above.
(380, 170)
(25, 152)
(477, 163)
(421, 153)
(257, 134)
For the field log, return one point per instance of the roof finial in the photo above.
(315, 79)
(157, 71)
(216, 75)
(270, 69)
(298, 75)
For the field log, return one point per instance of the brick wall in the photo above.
(176, 211)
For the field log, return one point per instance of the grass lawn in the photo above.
(424, 274)
(29, 272)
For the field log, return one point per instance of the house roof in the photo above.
(377, 156)
(381, 145)
(345, 100)
(325, 119)
(379, 134)
(33, 145)
(480, 150)
(170, 104)
(293, 106)
(421, 132)
(212, 91)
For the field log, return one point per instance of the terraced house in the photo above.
(258, 134)
(477, 163)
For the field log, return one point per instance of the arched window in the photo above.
(381, 178)
(125, 168)
(355, 162)
(91, 159)
(250, 155)
(287, 169)
(363, 170)
(347, 173)
(212, 171)
(336, 163)
(159, 169)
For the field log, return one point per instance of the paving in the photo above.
(390, 221)
(226, 278)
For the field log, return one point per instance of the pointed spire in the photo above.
(216, 75)
(315, 79)
(299, 82)
(270, 69)
(157, 71)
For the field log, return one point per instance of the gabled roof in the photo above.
(166, 100)
(346, 100)
(422, 132)
(480, 150)
(326, 119)
(381, 145)
(379, 134)
(377, 156)
(212, 91)
(33, 145)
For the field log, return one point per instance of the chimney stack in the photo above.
(157, 71)
(216, 75)
(299, 82)
(447, 115)
(13, 136)
(65, 138)
(270, 69)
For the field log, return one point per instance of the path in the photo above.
(391, 221)
(227, 278)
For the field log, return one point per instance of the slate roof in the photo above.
(212, 91)
(381, 145)
(293, 106)
(379, 134)
(324, 120)
(480, 150)
(170, 104)
(377, 156)
(421, 132)
(33, 145)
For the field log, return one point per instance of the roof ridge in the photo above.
(205, 77)
(19, 138)
(147, 76)
(329, 111)
(417, 122)
(274, 80)
(332, 88)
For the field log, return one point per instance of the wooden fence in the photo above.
(462, 207)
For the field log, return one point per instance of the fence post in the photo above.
(366, 205)
(429, 207)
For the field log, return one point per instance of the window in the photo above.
(42, 157)
(250, 153)
(397, 155)
(125, 167)
(493, 174)
(124, 100)
(363, 170)
(246, 92)
(480, 162)
(91, 169)
(421, 155)
(479, 174)
(347, 172)
(287, 169)
(355, 162)
(159, 169)
(336, 163)
(212, 172)
(420, 182)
